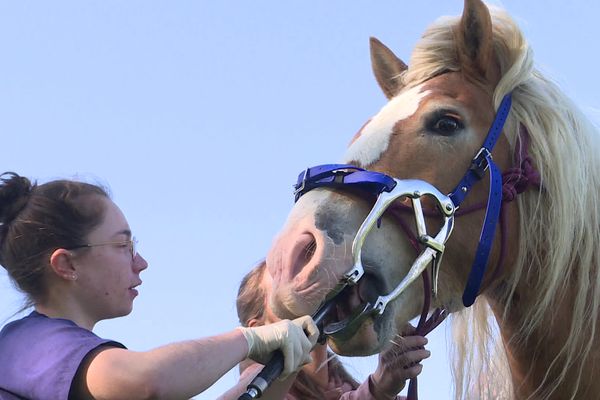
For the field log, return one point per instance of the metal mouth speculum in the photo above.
(435, 246)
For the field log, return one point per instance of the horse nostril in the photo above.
(309, 250)
(302, 253)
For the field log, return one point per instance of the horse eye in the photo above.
(447, 125)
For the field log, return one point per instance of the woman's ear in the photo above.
(253, 323)
(61, 263)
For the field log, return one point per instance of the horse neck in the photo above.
(535, 358)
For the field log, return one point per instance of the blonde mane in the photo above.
(561, 221)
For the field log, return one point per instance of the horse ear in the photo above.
(386, 67)
(475, 41)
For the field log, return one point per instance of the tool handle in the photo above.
(263, 380)
(273, 369)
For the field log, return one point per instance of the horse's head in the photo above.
(439, 111)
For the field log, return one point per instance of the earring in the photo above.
(73, 277)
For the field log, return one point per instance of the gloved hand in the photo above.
(294, 338)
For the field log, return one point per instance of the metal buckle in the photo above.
(299, 188)
(480, 164)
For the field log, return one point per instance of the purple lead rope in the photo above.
(425, 324)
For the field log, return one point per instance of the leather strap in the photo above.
(486, 238)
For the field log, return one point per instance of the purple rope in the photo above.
(517, 179)
(425, 324)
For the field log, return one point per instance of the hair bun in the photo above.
(15, 191)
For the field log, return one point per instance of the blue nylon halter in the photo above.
(346, 175)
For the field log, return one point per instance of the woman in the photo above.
(315, 381)
(69, 248)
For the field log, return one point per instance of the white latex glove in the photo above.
(294, 338)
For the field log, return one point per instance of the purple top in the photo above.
(39, 356)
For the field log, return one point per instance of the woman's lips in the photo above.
(132, 289)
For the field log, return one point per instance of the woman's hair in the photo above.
(251, 303)
(251, 299)
(35, 220)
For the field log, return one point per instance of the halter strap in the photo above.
(483, 158)
(336, 175)
(482, 162)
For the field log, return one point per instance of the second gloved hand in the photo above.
(294, 338)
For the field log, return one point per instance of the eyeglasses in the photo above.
(132, 243)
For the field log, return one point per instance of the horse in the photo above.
(532, 332)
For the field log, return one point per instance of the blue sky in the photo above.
(199, 115)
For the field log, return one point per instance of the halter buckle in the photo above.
(480, 163)
(299, 187)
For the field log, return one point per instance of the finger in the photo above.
(310, 329)
(306, 345)
(404, 360)
(398, 346)
(307, 360)
(306, 348)
(303, 347)
(398, 340)
(414, 341)
(408, 329)
(303, 343)
(288, 359)
(413, 371)
(415, 356)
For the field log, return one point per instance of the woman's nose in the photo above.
(139, 263)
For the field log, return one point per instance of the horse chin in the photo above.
(369, 339)
(451, 305)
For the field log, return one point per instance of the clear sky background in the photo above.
(199, 115)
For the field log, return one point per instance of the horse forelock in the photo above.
(560, 221)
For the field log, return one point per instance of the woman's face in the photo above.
(108, 274)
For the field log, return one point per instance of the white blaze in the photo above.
(375, 136)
